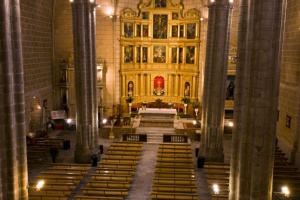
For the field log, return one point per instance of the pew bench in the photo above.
(174, 181)
(51, 191)
(175, 146)
(114, 171)
(167, 154)
(125, 148)
(40, 196)
(216, 170)
(124, 156)
(71, 165)
(179, 196)
(50, 179)
(174, 175)
(117, 160)
(174, 150)
(174, 188)
(121, 152)
(220, 197)
(127, 144)
(174, 164)
(175, 159)
(173, 169)
(68, 170)
(105, 192)
(58, 174)
(106, 177)
(108, 184)
(117, 165)
(81, 197)
(63, 186)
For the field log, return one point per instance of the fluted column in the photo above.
(125, 86)
(256, 99)
(181, 85)
(142, 85)
(13, 159)
(193, 86)
(148, 84)
(136, 85)
(176, 85)
(211, 146)
(169, 84)
(83, 12)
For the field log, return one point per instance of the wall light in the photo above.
(230, 1)
(285, 191)
(40, 185)
(230, 124)
(71, 1)
(216, 189)
(212, 1)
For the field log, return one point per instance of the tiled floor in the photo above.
(142, 184)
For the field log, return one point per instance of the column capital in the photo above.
(220, 4)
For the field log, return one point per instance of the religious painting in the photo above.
(174, 31)
(128, 30)
(159, 53)
(288, 121)
(174, 55)
(230, 86)
(138, 54)
(160, 3)
(160, 26)
(145, 15)
(130, 88)
(128, 54)
(145, 30)
(190, 55)
(191, 31)
(180, 55)
(145, 54)
(158, 86)
(138, 30)
(174, 16)
(186, 89)
(181, 31)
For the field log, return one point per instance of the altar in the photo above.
(157, 112)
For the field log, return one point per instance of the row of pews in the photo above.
(59, 181)
(38, 150)
(284, 174)
(114, 174)
(174, 173)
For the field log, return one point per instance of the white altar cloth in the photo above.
(158, 111)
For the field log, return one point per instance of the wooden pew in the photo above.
(50, 179)
(175, 146)
(179, 196)
(185, 169)
(58, 174)
(105, 192)
(116, 160)
(114, 171)
(174, 164)
(71, 165)
(174, 181)
(68, 170)
(51, 191)
(108, 184)
(81, 197)
(40, 196)
(64, 186)
(121, 157)
(174, 188)
(107, 177)
(117, 165)
(165, 150)
(169, 154)
(175, 174)
(128, 144)
(121, 152)
(175, 159)
(125, 148)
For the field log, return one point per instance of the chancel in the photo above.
(149, 99)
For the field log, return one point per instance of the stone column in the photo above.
(142, 85)
(256, 99)
(176, 85)
(193, 86)
(83, 13)
(181, 85)
(211, 146)
(125, 86)
(13, 160)
(149, 84)
(136, 85)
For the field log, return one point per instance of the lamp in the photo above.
(230, 124)
(216, 188)
(285, 191)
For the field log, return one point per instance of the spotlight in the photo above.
(216, 188)
(230, 124)
(285, 191)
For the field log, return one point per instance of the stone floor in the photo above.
(142, 183)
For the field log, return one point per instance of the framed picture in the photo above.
(138, 30)
(160, 3)
(145, 30)
(145, 15)
(128, 54)
(128, 30)
(174, 55)
(230, 86)
(174, 16)
(191, 31)
(159, 53)
(190, 55)
(138, 54)
(145, 54)
(160, 26)
(181, 31)
(174, 31)
(180, 55)
(288, 121)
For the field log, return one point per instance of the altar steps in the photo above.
(155, 134)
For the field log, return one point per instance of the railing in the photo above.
(135, 137)
(175, 138)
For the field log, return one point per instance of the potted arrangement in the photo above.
(144, 105)
(185, 101)
(129, 100)
(196, 105)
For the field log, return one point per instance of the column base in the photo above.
(213, 156)
(83, 157)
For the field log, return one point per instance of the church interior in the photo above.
(149, 99)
